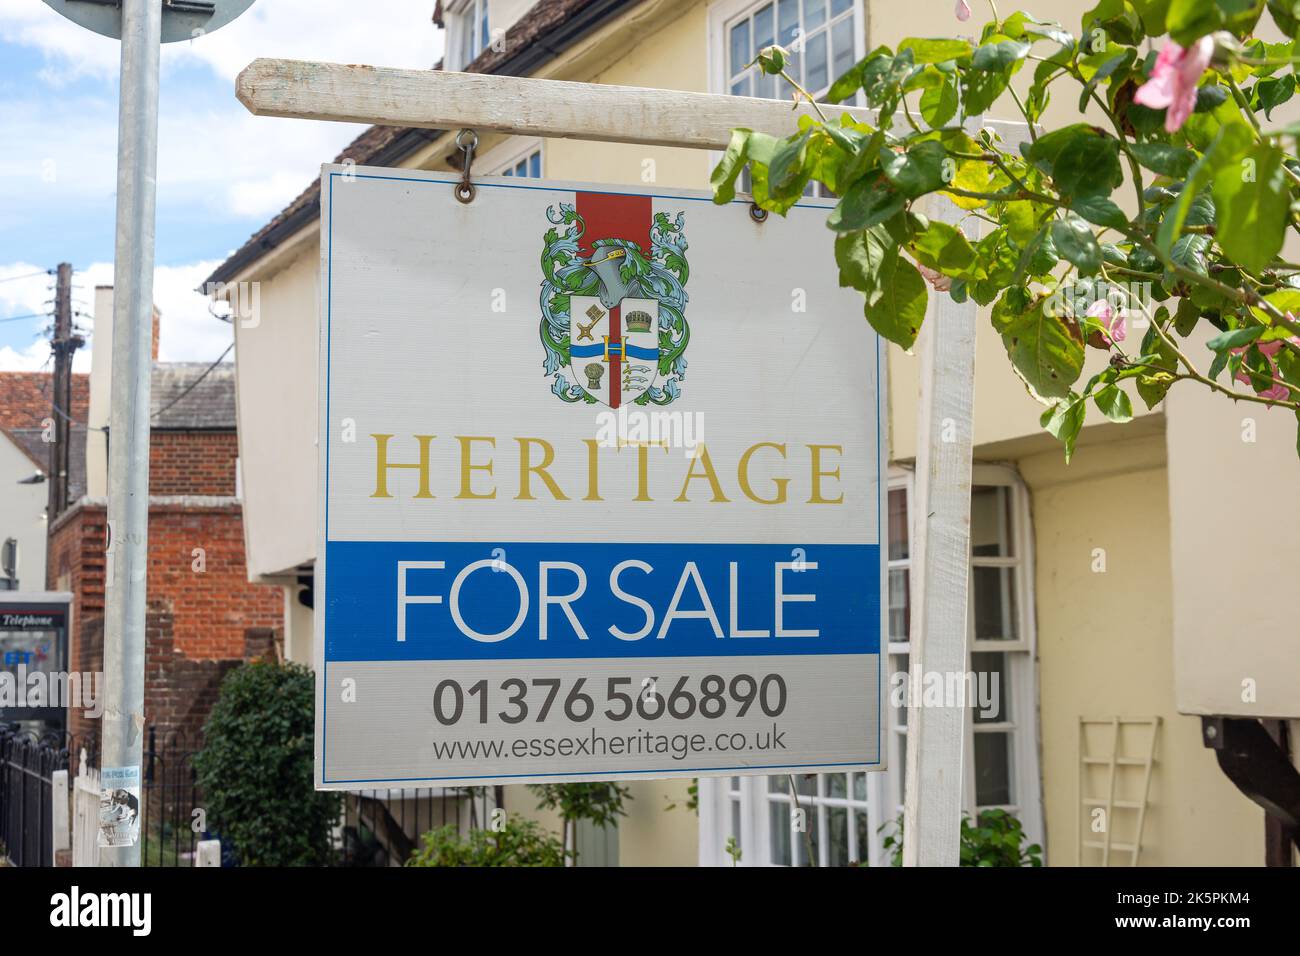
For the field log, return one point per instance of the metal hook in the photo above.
(467, 140)
(757, 212)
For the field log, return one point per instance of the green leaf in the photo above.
(1075, 241)
(1270, 94)
(724, 175)
(1088, 167)
(999, 56)
(943, 247)
(848, 84)
(1064, 420)
(859, 256)
(1047, 149)
(939, 104)
(1043, 351)
(1186, 317)
(1231, 142)
(1163, 158)
(981, 89)
(1153, 388)
(918, 171)
(866, 203)
(1153, 13)
(882, 77)
(1187, 20)
(1235, 338)
(1121, 61)
(786, 169)
(936, 51)
(1119, 19)
(1114, 403)
(1286, 14)
(1100, 210)
(1253, 204)
(899, 310)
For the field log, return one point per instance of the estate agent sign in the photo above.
(601, 481)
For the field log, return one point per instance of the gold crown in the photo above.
(638, 321)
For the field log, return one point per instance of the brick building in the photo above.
(204, 617)
(26, 427)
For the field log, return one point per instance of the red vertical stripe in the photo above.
(615, 362)
(613, 216)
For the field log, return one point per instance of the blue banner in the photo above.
(484, 600)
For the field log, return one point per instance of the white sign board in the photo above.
(601, 485)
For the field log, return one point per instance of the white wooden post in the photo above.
(209, 853)
(61, 837)
(438, 99)
(940, 573)
(588, 111)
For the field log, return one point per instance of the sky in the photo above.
(222, 172)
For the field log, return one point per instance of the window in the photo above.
(824, 37)
(530, 166)
(821, 35)
(845, 811)
(516, 157)
(468, 32)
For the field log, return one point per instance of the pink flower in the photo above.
(963, 10)
(941, 282)
(1114, 324)
(1276, 392)
(1173, 80)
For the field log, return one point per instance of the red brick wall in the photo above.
(192, 463)
(200, 622)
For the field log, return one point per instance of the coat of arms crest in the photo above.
(613, 312)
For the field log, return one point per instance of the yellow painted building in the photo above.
(1099, 593)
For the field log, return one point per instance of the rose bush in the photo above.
(1209, 191)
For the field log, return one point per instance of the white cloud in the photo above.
(225, 159)
(382, 32)
(70, 52)
(188, 332)
(219, 160)
(25, 288)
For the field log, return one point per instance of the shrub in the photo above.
(521, 843)
(994, 839)
(255, 769)
(600, 803)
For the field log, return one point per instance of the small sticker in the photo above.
(119, 806)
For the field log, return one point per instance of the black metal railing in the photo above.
(28, 760)
(375, 827)
(383, 827)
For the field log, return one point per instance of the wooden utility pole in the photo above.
(63, 343)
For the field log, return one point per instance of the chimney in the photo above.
(101, 365)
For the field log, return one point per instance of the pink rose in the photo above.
(1173, 81)
(941, 282)
(1276, 392)
(963, 10)
(1116, 328)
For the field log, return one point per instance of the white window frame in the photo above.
(721, 15)
(460, 16)
(723, 12)
(884, 789)
(507, 155)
